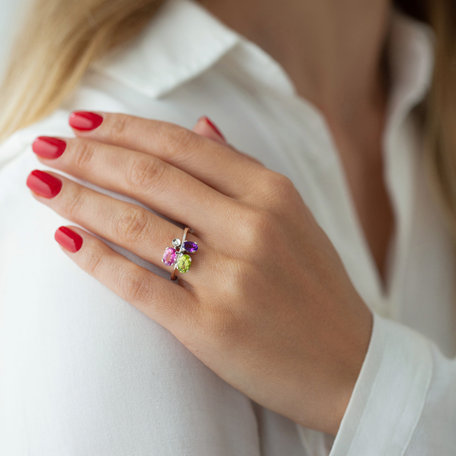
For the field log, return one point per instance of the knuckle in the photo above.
(131, 225)
(235, 274)
(224, 326)
(255, 227)
(145, 173)
(225, 322)
(259, 228)
(83, 154)
(227, 326)
(277, 186)
(134, 287)
(184, 140)
(235, 279)
(118, 124)
(219, 324)
(93, 261)
(74, 202)
(272, 189)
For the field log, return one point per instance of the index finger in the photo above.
(218, 165)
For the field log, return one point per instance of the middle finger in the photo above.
(145, 178)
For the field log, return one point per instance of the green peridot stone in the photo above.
(184, 262)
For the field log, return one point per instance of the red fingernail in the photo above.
(48, 147)
(44, 184)
(68, 239)
(213, 126)
(84, 120)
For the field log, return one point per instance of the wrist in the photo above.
(346, 384)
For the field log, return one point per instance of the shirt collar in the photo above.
(184, 39)
(411, 61)
(179, 43)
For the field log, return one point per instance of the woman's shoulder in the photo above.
(101, 361)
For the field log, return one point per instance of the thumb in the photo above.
(205, 127)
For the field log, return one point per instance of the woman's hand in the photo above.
(267, 304)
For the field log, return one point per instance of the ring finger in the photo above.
(128, 225)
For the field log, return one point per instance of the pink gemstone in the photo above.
(169, 256)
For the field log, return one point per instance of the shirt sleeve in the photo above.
(404, 400)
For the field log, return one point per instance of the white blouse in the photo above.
(84, 373)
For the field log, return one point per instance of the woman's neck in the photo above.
(331, 49)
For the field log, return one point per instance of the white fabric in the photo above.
(84, 373)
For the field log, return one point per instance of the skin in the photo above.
(336, 64)
(291, 333)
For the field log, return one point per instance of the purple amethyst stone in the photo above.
(190, 246)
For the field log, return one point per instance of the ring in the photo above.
(178, 255)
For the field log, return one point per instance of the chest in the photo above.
(372, 204)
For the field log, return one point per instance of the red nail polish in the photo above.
(68, 239)
(48, 147)
(44, 184)
(213, 126)
(84, 120)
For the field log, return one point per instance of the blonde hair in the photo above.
(56, 44)
(60, 38)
